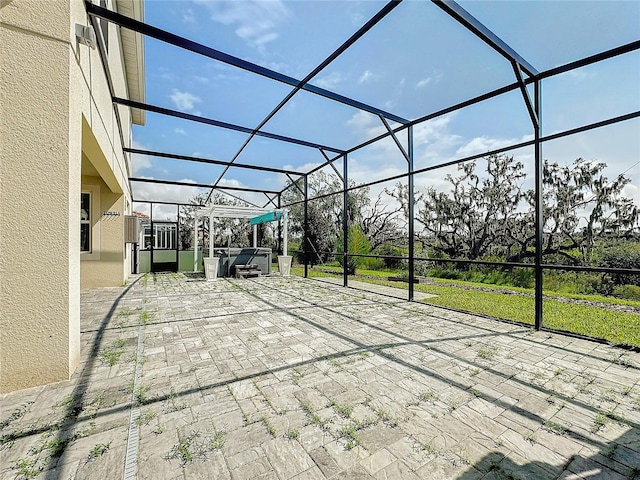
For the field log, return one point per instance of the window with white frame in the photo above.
(85, 222)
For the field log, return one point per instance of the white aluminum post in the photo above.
(195, 245)
(211, 235)
(285, 234)
(255, 236)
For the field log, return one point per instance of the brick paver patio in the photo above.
(287, 378)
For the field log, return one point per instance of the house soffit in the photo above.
(133, 52)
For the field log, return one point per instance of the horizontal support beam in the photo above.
(598, 57)
(200, 185)
(179, 204)
(218, 123)
(187, 158)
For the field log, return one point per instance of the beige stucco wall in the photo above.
(39, 277)
(51, 90)
(108, 267)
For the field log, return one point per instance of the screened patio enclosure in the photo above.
(391, 147)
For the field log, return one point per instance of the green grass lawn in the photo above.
(616, 327)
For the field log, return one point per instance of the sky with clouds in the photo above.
(416, 61)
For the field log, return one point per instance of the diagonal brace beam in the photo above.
(295, 183)
(525, 94)
(330, 162)
(395, 139)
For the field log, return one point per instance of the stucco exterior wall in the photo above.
(55, 106)
(38, 307)
(109, 267)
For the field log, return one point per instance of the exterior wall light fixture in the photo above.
(86, 35)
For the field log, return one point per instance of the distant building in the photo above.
(65, 189)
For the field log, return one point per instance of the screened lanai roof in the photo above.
(287, 86)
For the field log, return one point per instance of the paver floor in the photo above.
(287, 378)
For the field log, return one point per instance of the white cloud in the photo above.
(363, 121)
(201, 79)
(180, 131)
(632, 191)
(184, 100)
(188, 16)
(431, 79)
(330, 81)
(301, 168)
(140, 163)
(427, 132)
(256, 22)
(485, 144)
(161, 192)
(169, 77)
(366, 76)
(580, 74)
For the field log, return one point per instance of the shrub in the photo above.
(627, 292)
(373, 263)
(387, 248)
(622, 255)
(357, 243)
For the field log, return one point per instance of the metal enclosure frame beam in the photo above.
(217, 123)
(472, 24)
(345, 221)
(539, 209)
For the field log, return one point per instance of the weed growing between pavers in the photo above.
(270, 428)
(145, 417)
(454, 458)
(27, 468)
(344, 410)
(267, 399)
(314, 418)
(56, 436)
(603, 418)
(426, 396)
(386, 417)
(140, 395)
(98, 450)
(17, 414)
(292, 434)
(554, 427)
(175, 403)
(196, 446)
(113, 352)
(296, 375)
(351, 436)
(487, 353)
(145, 317)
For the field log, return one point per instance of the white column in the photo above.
(255, 236)
(285, 233)
(211, 236)
(195, 245)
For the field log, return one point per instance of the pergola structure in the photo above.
(526, 79)
(254, 214)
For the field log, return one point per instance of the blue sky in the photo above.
(416, 61)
